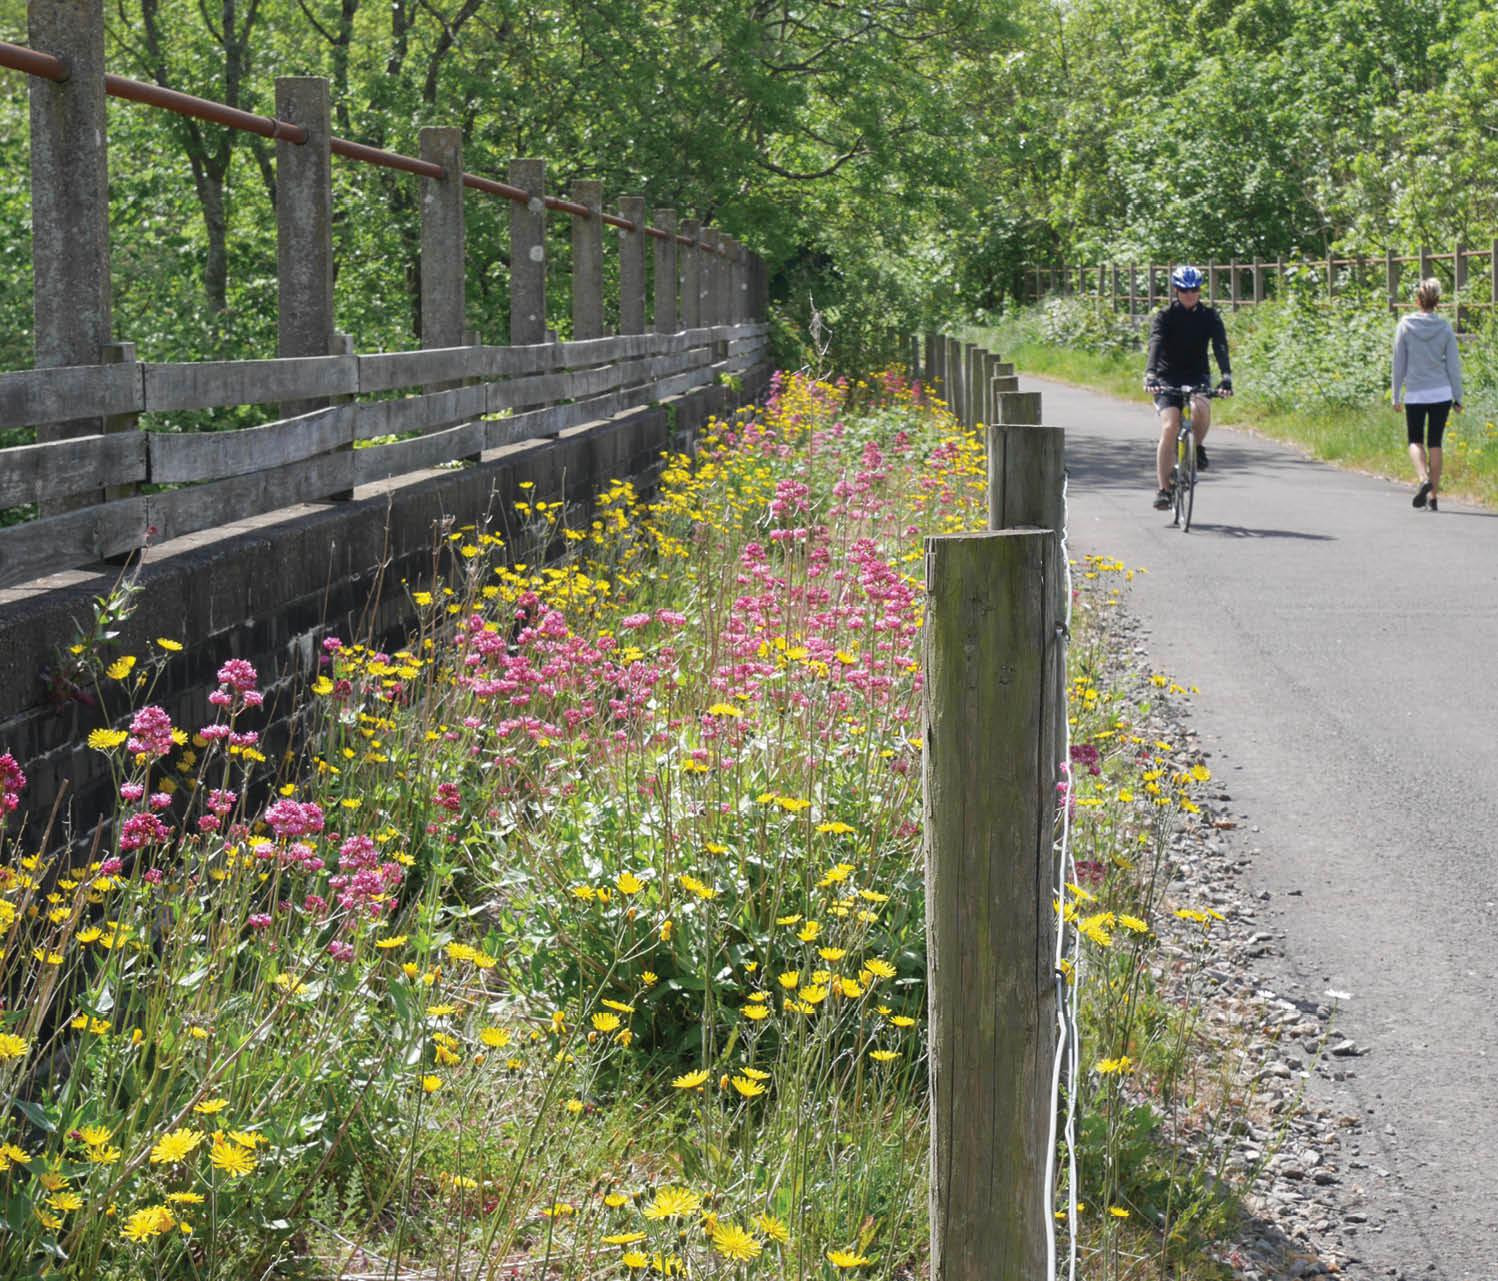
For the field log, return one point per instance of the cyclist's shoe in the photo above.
(1163, 500)
(1431, 506)
(1201, 458)
(1421, 494)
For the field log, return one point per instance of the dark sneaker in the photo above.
(1432, 506)
(1201, 458)
(1163, 500)
(1419, 499)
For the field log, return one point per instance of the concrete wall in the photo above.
(269, 590)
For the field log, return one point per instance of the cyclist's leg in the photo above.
(1201, 417)
(1165, 454)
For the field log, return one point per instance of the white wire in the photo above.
(1067, 1058)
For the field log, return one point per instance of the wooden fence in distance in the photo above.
(1469, 279)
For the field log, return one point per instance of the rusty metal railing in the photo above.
(46, 66)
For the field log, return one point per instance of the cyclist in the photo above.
(1179, 338)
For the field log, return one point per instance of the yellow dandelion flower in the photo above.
(391, 943)
(605, 1022)
(431, 1084)
(623, 1238)
(734, 1242)
(153, 1221)
(691, 1080)
(120, 668)
(836, 828)
(628, 883)
(496, 1038)
(104, 740)
(749, 1088)
(174, 1147)
(879, 969)
(672, 1203)
(634, 1260)
(846, 1259)
(773, 1228)
(884, 1056)
(232, 1159)
(12, 1046)
(208, 1107)
(171, 646)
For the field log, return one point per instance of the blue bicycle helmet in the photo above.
(1186, 278)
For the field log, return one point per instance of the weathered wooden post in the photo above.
(1258, 282)
(632, 266)
(1149, 278)
(443, 267)
(1458, 282)
(989, 809)
(931, 362)
(304, 227)
(528, 254)
(1493, 274)
(587, 261)
(1391, 278)
(691, 275)
(665, 320)
(71, 297)
(1424, 263)
(1233, 283)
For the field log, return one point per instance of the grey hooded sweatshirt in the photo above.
(1426, 357)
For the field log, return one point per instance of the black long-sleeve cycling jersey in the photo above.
(1178, 346)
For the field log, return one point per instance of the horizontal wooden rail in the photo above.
(512, 394)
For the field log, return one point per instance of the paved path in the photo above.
(1346, 650)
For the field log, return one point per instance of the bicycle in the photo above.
(1183, 474)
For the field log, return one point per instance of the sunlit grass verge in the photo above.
(582, 935)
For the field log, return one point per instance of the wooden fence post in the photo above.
(71, 298)
(528, 254)
(664, 320)
(1258, 282)
(1233, 283)
(930, 365)
(1019, 408)
(632, 266)
(587, 261)
(1149, 278)
(1424, 263)
(304, 226)
(443, 266)
(989, 809)
(691, 275)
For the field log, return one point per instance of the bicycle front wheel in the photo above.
(1186, 489)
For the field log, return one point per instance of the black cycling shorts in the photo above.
(1172, 399)
(1415, 417)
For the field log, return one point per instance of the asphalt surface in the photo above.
(1345, 647)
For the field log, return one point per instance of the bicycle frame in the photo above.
(1184, 475)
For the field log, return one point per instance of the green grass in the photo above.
(1367, 438)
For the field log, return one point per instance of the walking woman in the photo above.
(1428, 384)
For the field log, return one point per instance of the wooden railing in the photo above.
(1469, 278)
(509, 394)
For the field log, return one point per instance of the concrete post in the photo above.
(632, 266)
(304, 226)
(442, 242)
(69, 203)
(691, 275)
(587, 261)
(528, 255)
(664, 320)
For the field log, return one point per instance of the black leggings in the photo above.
(1414, 421)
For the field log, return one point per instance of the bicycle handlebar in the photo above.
(1206, 389)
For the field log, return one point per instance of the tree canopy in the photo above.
(895, 161)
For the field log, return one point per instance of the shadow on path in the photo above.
(1129, 462)
(1242, 531)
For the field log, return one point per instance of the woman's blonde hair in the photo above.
(1428, 292)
